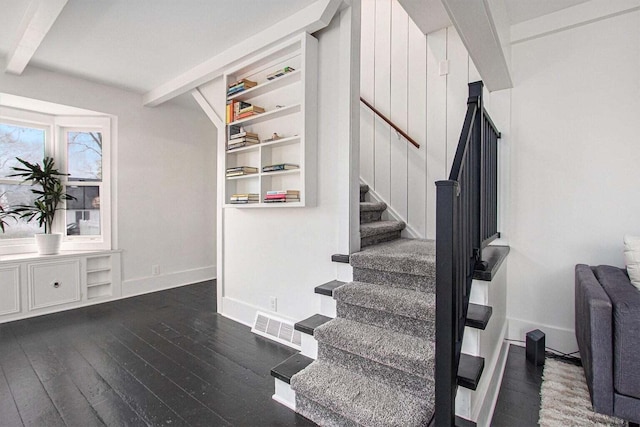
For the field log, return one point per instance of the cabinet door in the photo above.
(54, 283)
(10, 290)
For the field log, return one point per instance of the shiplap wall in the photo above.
(401, 76)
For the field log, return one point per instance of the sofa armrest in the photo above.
(594, 333)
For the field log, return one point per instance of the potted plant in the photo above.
(49, 193)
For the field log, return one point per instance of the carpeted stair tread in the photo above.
(400, 351)
(364, 188)
(360, 399)
(380, 227)
(404, 302)
(406, 256)
(372, 206)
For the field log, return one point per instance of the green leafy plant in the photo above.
(48, 189)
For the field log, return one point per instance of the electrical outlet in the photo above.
(155, 270)
(273, 303)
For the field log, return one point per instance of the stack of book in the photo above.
(242, 139)
(237, 110)
(241, 170)
(279, 167)
(240, 199)
(279, 73)
(240, 85)
(282, 196)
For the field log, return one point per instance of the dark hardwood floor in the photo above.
(519, 399)
(167, 359)
(159, 359)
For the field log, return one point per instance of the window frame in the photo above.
(55, 127)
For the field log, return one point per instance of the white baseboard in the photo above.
(145, 285)
(561, 339)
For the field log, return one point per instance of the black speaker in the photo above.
(535, 347)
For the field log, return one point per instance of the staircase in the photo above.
(375, 361)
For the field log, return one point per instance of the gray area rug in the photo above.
(565, 398)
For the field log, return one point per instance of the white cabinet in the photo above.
(289, 102)
(32, 285)
(53, 283)
(9, 289)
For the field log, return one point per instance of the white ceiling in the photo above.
(524, 10)
(141, 44)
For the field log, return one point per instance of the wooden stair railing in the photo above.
(390, 123)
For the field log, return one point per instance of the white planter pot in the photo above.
(48, 244)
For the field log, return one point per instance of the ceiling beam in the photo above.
(310, 19)
(36, 23)
(428, 15)
(484, 29)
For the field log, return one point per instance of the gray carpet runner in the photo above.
(376, 360)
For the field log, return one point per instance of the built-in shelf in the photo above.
(291, 113)
(268, 115)
(268, 86)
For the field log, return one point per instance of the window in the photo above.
(80, 147)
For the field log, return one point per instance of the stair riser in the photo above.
(379, 238)
(400, 280)
(405, 325)
(320, 414)
(370, 216)
(418, 385)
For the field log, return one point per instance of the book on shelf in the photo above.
(244, 198)
(248, 139)
(234, 130)
(236, 145)
(279, 73)
(279, 167)
(246, 114)
(281, 200)
(281, 197)
(247, 169)
(240, 85)
(238, 133)
(253, 108)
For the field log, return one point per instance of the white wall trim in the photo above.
(572, 17)
(560, 339)
(145, 285)
(310, 19)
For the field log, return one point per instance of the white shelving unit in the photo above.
(290, 103)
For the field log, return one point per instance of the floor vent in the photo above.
(277, 329)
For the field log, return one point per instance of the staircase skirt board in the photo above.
(420, 386)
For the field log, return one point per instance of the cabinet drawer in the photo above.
(54, 283)
(10, 290)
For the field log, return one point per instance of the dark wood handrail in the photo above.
(390, 123)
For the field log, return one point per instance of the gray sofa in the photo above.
(608, 333)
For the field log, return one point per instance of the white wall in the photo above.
(286, 252)
(575, 169)
(400, 76)
(165, 169)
